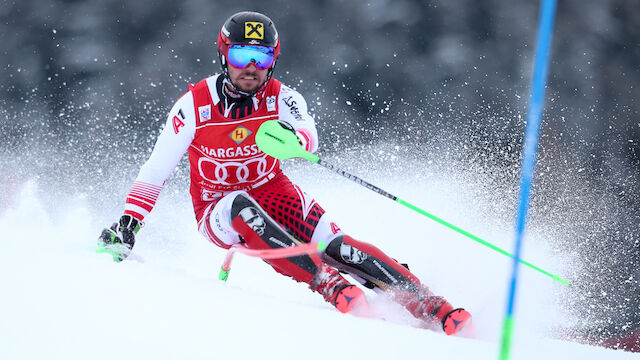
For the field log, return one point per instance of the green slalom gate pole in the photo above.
(530, 149)
(281, 143)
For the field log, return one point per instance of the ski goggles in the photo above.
(240, 56)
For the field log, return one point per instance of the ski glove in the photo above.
(288, 126)
(118, 240)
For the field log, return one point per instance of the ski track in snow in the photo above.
(62, 301)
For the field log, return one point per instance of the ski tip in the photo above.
(456, 321)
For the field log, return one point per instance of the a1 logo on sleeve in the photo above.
(177, 121)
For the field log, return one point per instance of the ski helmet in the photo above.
(247, 28)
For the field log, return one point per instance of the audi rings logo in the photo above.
(230, 172)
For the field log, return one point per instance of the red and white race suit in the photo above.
(223, 157)
(219, 135)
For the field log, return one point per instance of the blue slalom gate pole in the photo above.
(530, 149)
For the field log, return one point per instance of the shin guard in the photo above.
(371, 264)
(260, 231)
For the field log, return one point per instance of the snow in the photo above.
(62, 301)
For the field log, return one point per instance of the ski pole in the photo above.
(302, 249)
(281, 143)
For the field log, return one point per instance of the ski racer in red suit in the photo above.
(240, 194)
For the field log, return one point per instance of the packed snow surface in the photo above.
(60, 300)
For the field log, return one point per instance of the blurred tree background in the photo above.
(83, 77)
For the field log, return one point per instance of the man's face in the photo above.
(247, 79)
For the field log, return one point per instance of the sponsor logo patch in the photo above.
(352, 255)
(239, 134)
(205, 112)
(208, 195)
(230, 152)
(271, 103)
(279, 242)
(251, 216)
(253, 30)
(293, 107)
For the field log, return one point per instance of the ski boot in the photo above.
(337, 291)
(432, 309)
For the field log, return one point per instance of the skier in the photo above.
(241, 196)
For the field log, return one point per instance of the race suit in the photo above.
(218, 131)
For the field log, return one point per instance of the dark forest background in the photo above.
(82, 78)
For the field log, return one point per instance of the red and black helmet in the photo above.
(247, 28)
